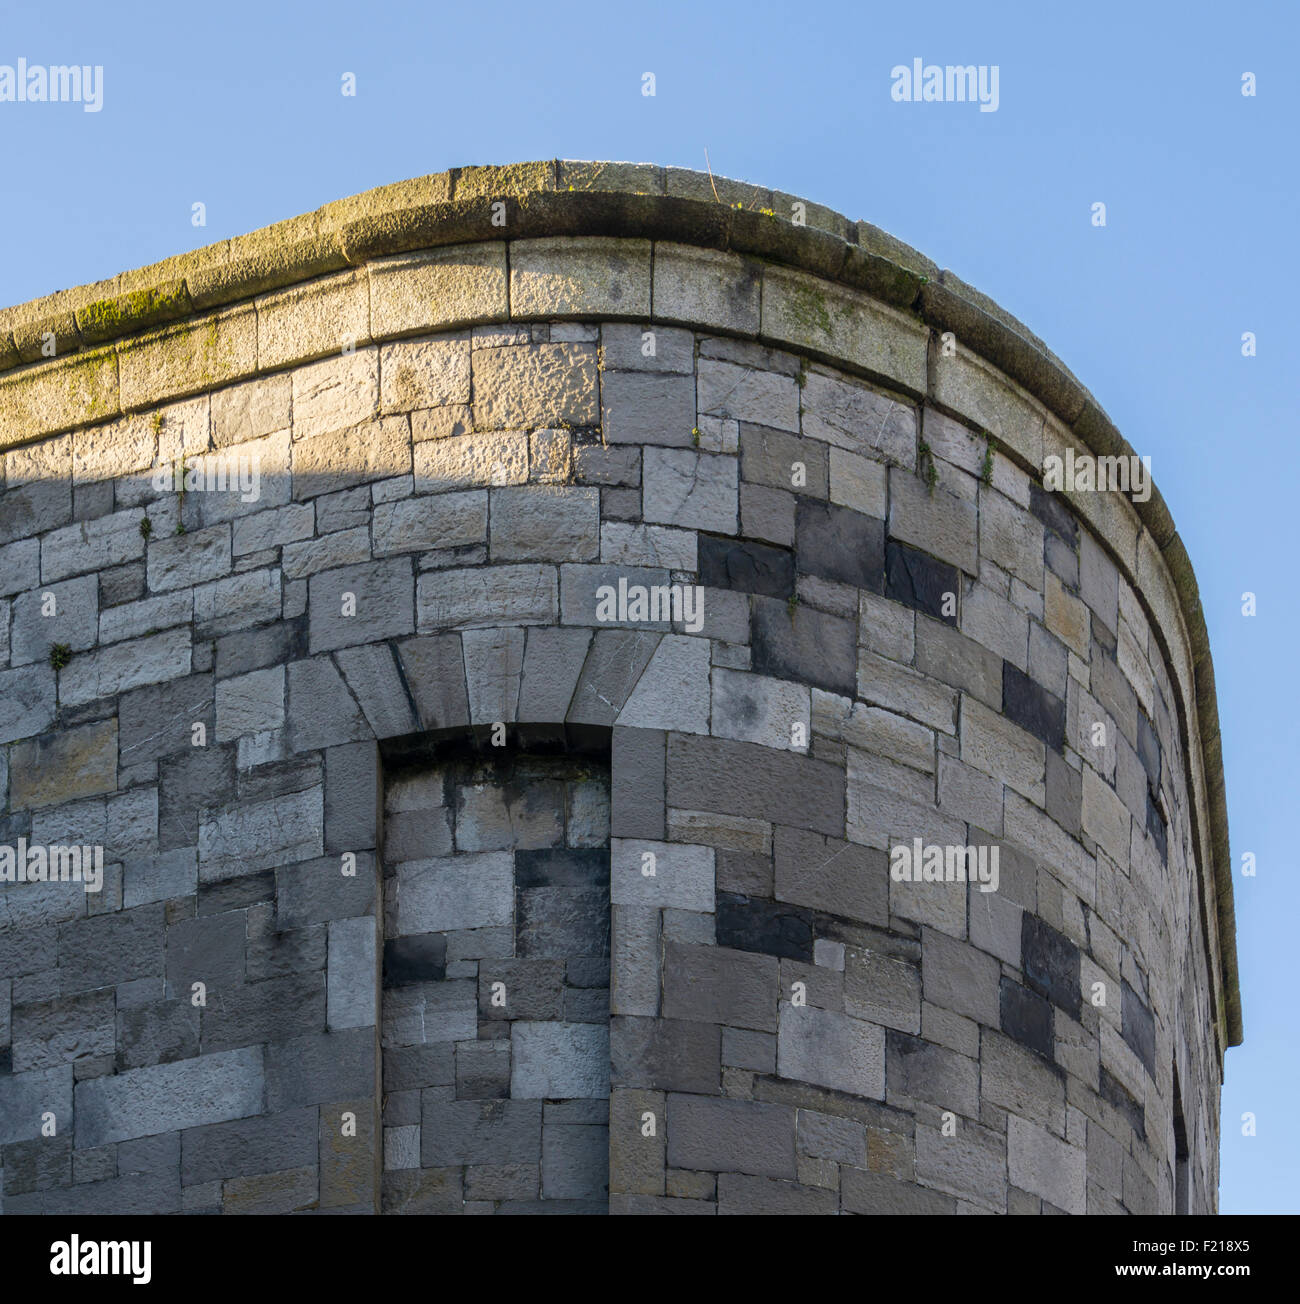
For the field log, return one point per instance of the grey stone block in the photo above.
(480, 1132)
(160, 1032)
(466, 891)
(749, 780)
(545, 523)
(320, 1067)
(637, 761)
(48, 1033)
(959, 978)
(552, 1060)
(111, 948)
(829, 874)
(65, 613)
(435, 673)
(260, 835)
(382, 602)
(612, 669)
(553, 660)
(352, 996)
(372, 675)
(666, 1054)
(714, 984)
(209, 950)
(741, 1193)
(145, 1102)
(878, 1193)
(731, 1136)
(831, 1050)
(25, 1097)
(575, 1162)
(806, 645)
(648, 408)
(494, 661)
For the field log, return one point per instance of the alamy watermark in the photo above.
(633, 603)
(25, 83)
(930, 83)
(52, 864)
(1085, 473)
(213, 473)
(920, 863)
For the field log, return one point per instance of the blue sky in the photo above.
(238, 106)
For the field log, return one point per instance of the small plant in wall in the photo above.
(695, 436)
(986, 470)
(146, 528)
(60, 655)
(925, 464)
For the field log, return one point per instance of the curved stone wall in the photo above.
(480, 417)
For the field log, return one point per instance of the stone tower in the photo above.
(587, 685)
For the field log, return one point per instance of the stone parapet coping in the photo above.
(557, 198)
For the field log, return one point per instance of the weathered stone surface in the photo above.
(526, 386)
(360, 604)
(148, 1101)
(552, 1060)
(831, 1050)
(689, 489)
(76, 763)
(731, 1136)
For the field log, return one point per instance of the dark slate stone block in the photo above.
(919, 581)
(1139, 1028)
(745, 566)
(839, 544)
(1148, 749)
(483, 1070)
(237, 893)
(1032, 707)
(1027, 1017)
(1054, 512)
(1156, 827)
(557, 922)
(807, 645)
(194, 778)
(419, 959)
(121, 584)
(562, 867)
(1113, 1092)
(1051, 963)
(772, 928)
(253, 649)
(587, 971)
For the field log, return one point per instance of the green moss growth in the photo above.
(146, 528)
(60, 655)
(808, 308)
(986, 469)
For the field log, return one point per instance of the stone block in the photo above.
(730, 1136)
(360, 604)
(714, 984)
(559, 1060)
(689, 489)
(523, 387)
(831, 1050)
(148, 1101)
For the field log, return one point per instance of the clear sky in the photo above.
(1135, 105)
